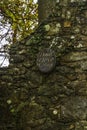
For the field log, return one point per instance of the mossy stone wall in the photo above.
(55, 100)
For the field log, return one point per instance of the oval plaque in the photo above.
(46, 60)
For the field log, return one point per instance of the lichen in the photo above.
(47, 27)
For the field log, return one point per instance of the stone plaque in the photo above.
(46, 60)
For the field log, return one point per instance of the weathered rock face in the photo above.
(55, 100)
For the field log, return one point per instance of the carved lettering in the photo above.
(46, 60)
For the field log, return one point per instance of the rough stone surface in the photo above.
(56, 100)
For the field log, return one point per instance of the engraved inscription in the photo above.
(46, 60)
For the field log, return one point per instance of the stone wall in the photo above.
(55, 100)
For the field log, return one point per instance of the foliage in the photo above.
(18, 18)
(21, 15)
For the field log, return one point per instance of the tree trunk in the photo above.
(45, 8)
